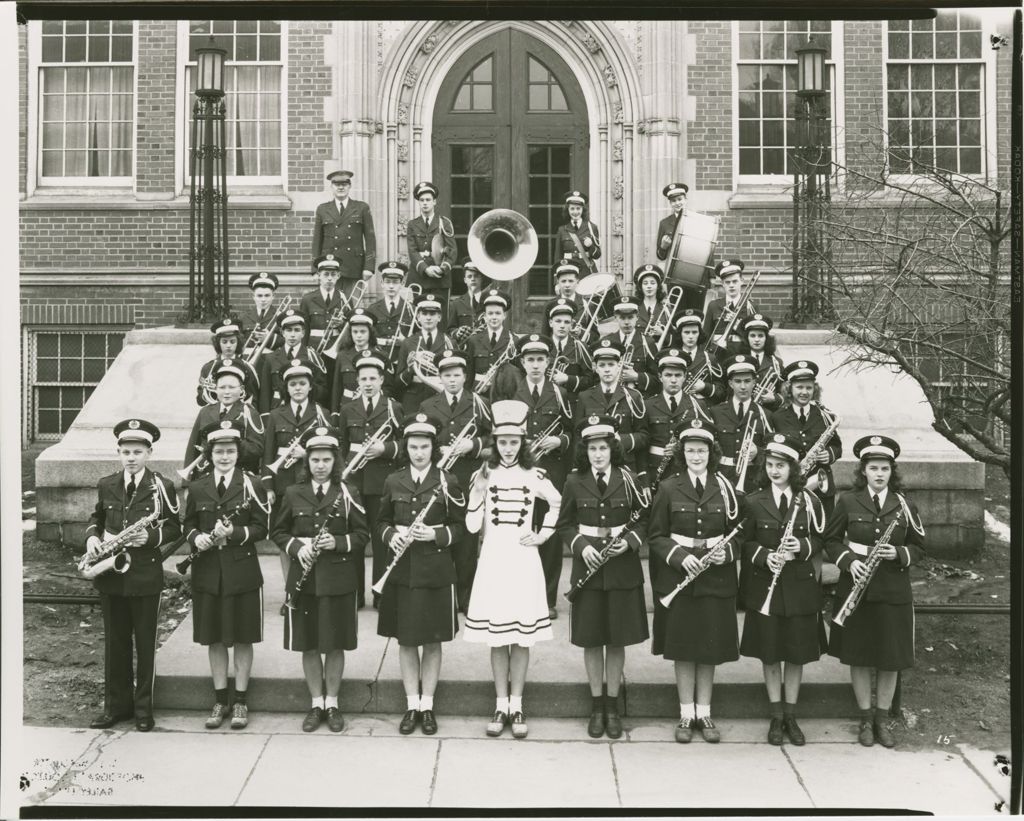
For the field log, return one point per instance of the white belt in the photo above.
(690, 542)
(594, 532)
(860, 549)
(728, 461)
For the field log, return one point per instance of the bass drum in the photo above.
(596, 284)
(689, 259)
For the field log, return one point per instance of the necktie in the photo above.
(576, 225)
(741, 411)
(878, 504)
(783, 505)
(298, 412)
(369, 406)
(221, 487)
(391, 309)
(803, 417)
(536, 394)
(673, 405)
(223, 412)
(330, 295)
(341, 207)
(454, 399)
(319, 493)
(130, 492)
(602, 485)
(430, 340)
(494, 339)
(699, 487)
(291, 353)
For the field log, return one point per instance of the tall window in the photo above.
(86, 102)
(253, 77)
(477, 91)
(549, 179)
(935, 94)
(766, 93)
(543, 89)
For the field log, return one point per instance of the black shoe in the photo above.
(313, 719)
(144, 724)
(595, 727)
(497, 724)
(552, 613)
(775, 737)
(519, 726)
(613, 725)
(684, 730)
(106, 721)
(865, 735)
(709, 730)
(792, 729)
(429, 722)
(283, 610)
(217, 716)
(883, 735)
(335, 720)
(408, 722)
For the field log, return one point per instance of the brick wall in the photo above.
(310, 138)
(157, 46)
(709, 80)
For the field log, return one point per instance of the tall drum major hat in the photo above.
(225, 326)
(696, 429)
(801, 369)
(876, 446)
(228, 367)
(226, 430)
(296, 368)
(328, 263)
(263, 279)
(293, 317)
(648, 270)
(606, 349)
(674, 188)
(424, 188)
(561, 306)
(597, 427)
(421, 425)
(535, 343)
(785, 445)
(689, 316)
(740, 363)
(728, 267)
(509, 417)
(575, 198)
(428, 302)
(320, 437)
(136, 430)
(392, 269)
(756, 322)
(496, 297)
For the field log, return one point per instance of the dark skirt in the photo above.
(229, 620)
(876, 635)
(701, 629)
(322, 623)
(417, 615)
(793, 639)
(608, 617)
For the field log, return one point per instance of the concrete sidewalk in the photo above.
(273, 763)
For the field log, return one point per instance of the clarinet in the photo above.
(872, 562)
(705, 563)
(766, 607)
(331, 513)
(225, 520)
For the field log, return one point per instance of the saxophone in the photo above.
(820, 481)
(113, 553)
(872, 562)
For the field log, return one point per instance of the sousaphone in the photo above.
(502, 244)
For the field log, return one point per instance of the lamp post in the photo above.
(208, 252)
(811, 194)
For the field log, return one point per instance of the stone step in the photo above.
(556, 685)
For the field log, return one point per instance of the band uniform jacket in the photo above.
(464, 310)
(420, 241)
(253, 320)
(251, 385)
(661, 421)
(145, 576)
(579, 372)
(280, 429)
(318, 312)
(716, 309)
(385, 323)
(677, 510)
(578, 303)
(606, 513)
(345, 385)
(731, 429)
(797, 592)
(355, 427)
(646, 315)
(645, 361)
(553, 404)
(630, 412)
(299, 519)
(233, 567)
(414, 393)
(568, 237)
(250, 447)
(348, 235)
(769, 363)
(714, 390)
(854, 527)
(424, 564)
(666, 228)
(785, 420)
(277, 361)
(481, 354)
(451, 421)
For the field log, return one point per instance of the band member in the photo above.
(227, 340)
(648, 281)
(675, 193)
(702, 370)
(690, 516)
(260, 318)
(321, 516)
(574, 369)
(878, 636)
(759, 345)
(417, 377)
(228, 381)
(722, 309)
(666, 412)
(293, 331)
(225, 516)
(283, 454)
(392, 313)
(609, 397)
(741, 424)
(142, 505)
(641, 371)
(495, 345)
(430, 238)
(548, 428)
(343, 228)
(508, 607)
(452, 410)
(602, 520)
(802, 416)
(567, 278)
(422, 509)
(465, 310)
(783, 528)
(578, 237)
(360, 340)
(359, 420)
(323, 309)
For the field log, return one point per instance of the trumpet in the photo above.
(746, 446)
(464, 332)
(256, 348)
(658, 326)
(701, 373)
(559, 365)
(335, 322)
(200, 464)
(113, 553)
(872, 562)
(769, 383)
(349, 305)
(797, 501)
(208, 386)
(287, 459)
(506, 356)
(820, 480)
(422, 361)
(537, 450)
(705, 563)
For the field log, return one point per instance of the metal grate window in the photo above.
(550, 168)
(65, 367)
(477, 91)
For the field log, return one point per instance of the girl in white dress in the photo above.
(508, 607)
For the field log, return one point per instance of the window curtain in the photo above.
(97, 123)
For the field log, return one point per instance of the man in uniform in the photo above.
(733, 418)
(578, 373)
(693, 294)
(293, 331)
(641, 374)
(464, 311)
(722, 309)
(343, 228)
(258, 318)
(702, 370)
(415, 379)
(229, 407)
(392, 313)
(567, 280)
(484, 348)
(130, 601)
(430, 238)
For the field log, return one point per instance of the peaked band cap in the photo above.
(496, 297)
(371, 360)
(225, 326)
(263, 279)
(606, 349)
(297, 367)
(728, 267)
(228, 367)
(648, 271)
(226, 430)
(756, 322)
(597, 427)
(535, 343)
(671, 358)
(328, 263)
(424, 187)
(785, 445)
(696, 429)
(320, 437)
(674, 188)
(360, 317)
(340, 173)
(393, 268)
(740, 363)
(627, 304)
(575, 198)
(428, 302)
(689, 316)
(136, 430)
(876, 445)
(801, 369)
(562, 306)
(293, 317)
(421, 425)
(566, 266)
(450, 359)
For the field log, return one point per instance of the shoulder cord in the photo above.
(914, 523)
(172, 504)
(248, 488)
(815, 517)
(247, 412)
(561, 401)
(440, 223)
(632, 403)
(349, 501)
(729, 494)
(697, 409)
(634, 491)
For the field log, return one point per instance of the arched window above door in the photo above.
(477, 91)
(544, 91)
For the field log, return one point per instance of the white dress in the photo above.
(508, 604)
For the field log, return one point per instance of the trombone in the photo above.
(256, 348)
(741, 305)
(415, 290)
(659, 325)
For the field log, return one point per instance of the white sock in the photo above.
(331, 701)
(685, 710)
(318, 702)
(426, 702)
(515, 704)
(501, 705)
(703, 711)
(412, 702)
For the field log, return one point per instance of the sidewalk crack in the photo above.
(615, 773)
(799, 778)
(255, 764)
(433, 777)
(977, 772)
